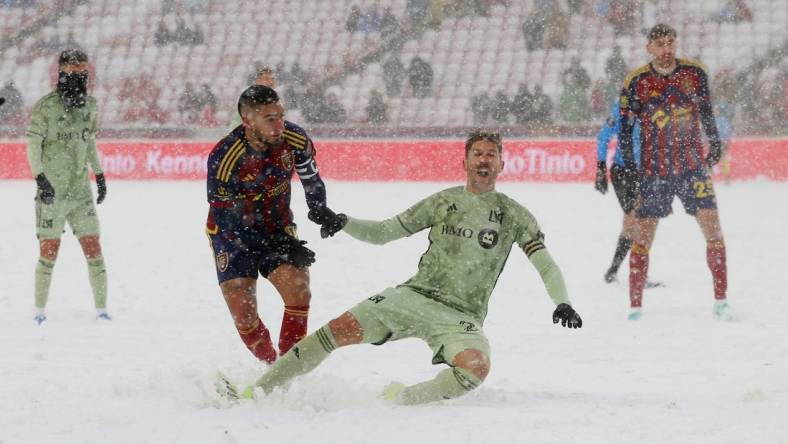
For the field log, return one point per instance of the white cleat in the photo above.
(723, 311)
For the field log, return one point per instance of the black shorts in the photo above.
(626, 190)
(234, 260)
(694, 188)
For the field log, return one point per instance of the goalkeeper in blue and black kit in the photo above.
(625, 183)
(250, 224)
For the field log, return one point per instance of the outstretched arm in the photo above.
(376, 232)
(554, 283)
(414, 219)
(549, 272)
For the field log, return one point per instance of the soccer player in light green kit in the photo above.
(61, 144)
(472, 229)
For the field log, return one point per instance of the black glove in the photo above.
(601, 177)
(715, 154)
(567, 315)
(330, 222)
(101, 186)
(45, 191)
(293, 250)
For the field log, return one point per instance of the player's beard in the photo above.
(260, 139)
(665, 63)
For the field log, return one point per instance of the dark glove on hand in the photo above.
(293, 251)
(601, 177)
(330, 222)
(567, 315)
(101, 186)
(715, 154)
(45, 191)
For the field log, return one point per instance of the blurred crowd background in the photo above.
(534, 68)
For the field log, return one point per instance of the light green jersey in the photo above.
(61, 143)
(470, 239)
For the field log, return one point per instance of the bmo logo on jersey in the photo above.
(488, 238)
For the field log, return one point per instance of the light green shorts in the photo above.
(80, 214)
(399, 313)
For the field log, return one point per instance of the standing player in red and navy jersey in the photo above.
(250, 224)
(671, 100)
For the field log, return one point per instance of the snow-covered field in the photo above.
(675, 376)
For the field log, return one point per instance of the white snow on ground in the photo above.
(677, 375)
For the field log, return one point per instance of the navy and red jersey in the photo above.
(670, 109)
(249, 190)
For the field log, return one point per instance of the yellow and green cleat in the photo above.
(392, 390)
(228, 390)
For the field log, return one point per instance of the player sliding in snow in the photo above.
(472, 229)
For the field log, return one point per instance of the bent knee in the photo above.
(346, 329)
(473, 361)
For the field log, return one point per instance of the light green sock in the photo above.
(307, 354)
(97, 273)
(449, 383)
(43, 278)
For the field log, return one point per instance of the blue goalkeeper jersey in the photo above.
(610, 129)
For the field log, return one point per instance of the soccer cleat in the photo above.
(225, 388)
(610, 276)
(392, 390)
(723, 311)
(635, 314)
(654, 284)
(40, 318)
(229, 391)
(102, 315)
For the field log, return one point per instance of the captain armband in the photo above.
(307, 169)
(534, 245)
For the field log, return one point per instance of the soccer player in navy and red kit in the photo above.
(250, 224)
(671, 99)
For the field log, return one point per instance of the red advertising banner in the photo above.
(549, 160)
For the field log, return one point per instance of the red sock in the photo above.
(715, 258)
(258, 341)
(638, 270)
(293, 326)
